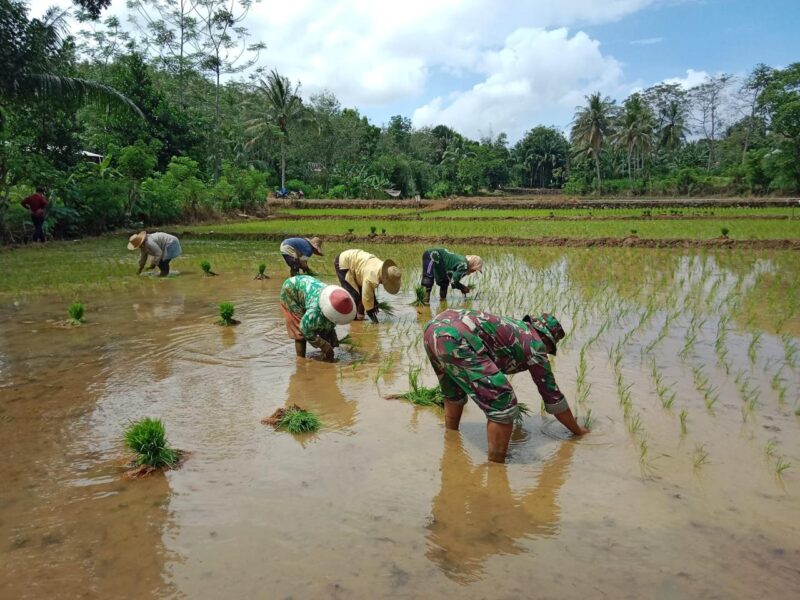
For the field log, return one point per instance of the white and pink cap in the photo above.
(337, 305)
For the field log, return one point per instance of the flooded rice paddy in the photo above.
(688, 362)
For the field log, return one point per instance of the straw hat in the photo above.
(316, 243)
(390, 276)
(136, 240)
(474, 263)
(337, 305)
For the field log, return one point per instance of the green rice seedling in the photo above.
(724, 231)
(588, 419)
(635, 424)
(226, 310)
(684, 418)
(770, 448)
(789, 349)
(700, 457)
(419, 394)
(297, 420)
(690, 339)
(373, 230)
(777, 385)
(781, 465)
(710, 397)
(419, 296)
(206, 266)
(644, 448)
(349, 342)
(752, 348)
(583, 394)
(76, 311)
(524, 411)
(262, 271)
(148, 439)
(383, 368)
(385, 308)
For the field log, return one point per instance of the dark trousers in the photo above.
(294, 264)
(341, 274)
(427, 276)
(38, 228)
(163, 266)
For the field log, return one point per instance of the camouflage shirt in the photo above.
(300, 295)
(448, 267)
(512, 345)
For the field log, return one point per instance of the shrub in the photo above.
(226, 310)
(76, 311)
(337, 192)
(147, 437)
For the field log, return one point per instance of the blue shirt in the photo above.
(301, 245)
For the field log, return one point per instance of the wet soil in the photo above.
(384, 502)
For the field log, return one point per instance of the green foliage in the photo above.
(226, 310)
(419, 394)
(296, 420)
(76, 311)
(724, 231)
(419, 296)
(262, 268)
(206, 267)
(148, 439)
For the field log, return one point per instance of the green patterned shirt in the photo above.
(300, 295)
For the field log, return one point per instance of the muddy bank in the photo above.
(565, 242)
(519, 202)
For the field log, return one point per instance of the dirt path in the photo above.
(567, 242)
(434, 217)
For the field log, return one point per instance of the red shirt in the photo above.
(36, 203)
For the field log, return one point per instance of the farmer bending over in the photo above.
(296, 252)
(472, 351)
(360, 273)
(161, 247)
(312, 311)
(447, 269)
(36, 203)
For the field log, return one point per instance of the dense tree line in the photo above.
(176, 119)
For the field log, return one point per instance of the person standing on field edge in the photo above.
(473, 351)
(36, 203)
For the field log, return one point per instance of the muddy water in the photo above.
(382, 502)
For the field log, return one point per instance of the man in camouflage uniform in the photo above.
(447, 269)
(472, 351)
(312, 310)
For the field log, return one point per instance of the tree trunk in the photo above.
(597, 170)
(283, 164)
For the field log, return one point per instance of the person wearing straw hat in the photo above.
(473, 351)
(296, 252)
(360, 273)
(447, 269)
(312, 310)
(161, 247)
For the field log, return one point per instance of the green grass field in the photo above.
(678, 229)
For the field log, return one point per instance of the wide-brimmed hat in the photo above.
(390, 276)
(316, 244)
(547, 325)
(474, 263)
(136, 240)
(337, 305)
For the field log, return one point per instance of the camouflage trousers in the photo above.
(465, 372)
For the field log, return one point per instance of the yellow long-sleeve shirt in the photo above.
(363, 272)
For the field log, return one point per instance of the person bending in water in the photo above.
(447, 269)
(161, 247)
(312, 311)
(472, 351)
(360, 273)
(297, 251)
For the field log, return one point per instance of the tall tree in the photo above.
(752, 87)
(709, 100)
(592, 125)
(634, 132)
(280, 107)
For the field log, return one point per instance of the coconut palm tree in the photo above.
(674, 129)
(592, 125)
(280, 107)
(30, 58)
(634, 131)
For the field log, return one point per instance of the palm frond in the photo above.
(73, 90)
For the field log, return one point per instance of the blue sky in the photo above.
(484, 66)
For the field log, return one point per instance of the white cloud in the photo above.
(692, 79)
(539, 76)
(647, 41)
